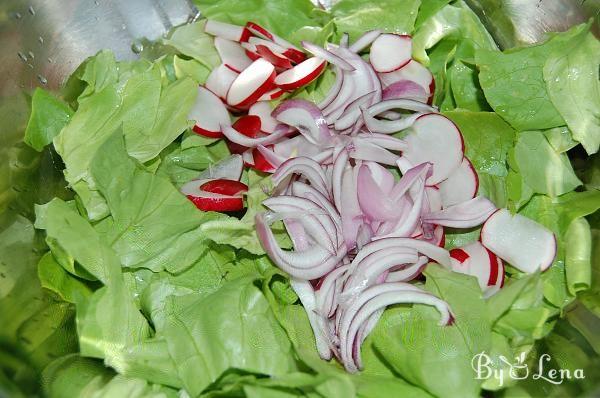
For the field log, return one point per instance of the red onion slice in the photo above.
(405, 89)
(327, 56)
(306, 167)
(306, 117)
(365, 40)
(463, 215)
(235, 136)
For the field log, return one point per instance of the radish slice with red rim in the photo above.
(405, 89)
(263, 110)
(390, 52)
(301, 74)
(232, 54)
(226, 31)
(251, 84)
(476, 260)
(209, 114)
(216, 195)
(220, 80)
(436, 139)
(272, 94)
(467, 214)
(520, 241)
(276, 59)
(461, 185)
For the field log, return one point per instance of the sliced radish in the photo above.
(220, 79)
(251, 53)
(412, 71)
(209, 114)
(273, 57)
(226, 31)
(261, 163)
(251, 84)
(390, 52)
(263, 110)
(461, 185)
(520, 241)
(434, 198)
(216, 194)
(232, 54)
(248, 125)
(292, 52)
(474, 259)
(301, 74)
(272, 94)
(435, 139)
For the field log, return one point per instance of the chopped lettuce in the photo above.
(48, 116)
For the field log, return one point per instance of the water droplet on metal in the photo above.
(30, 65)
(22, 56)
(42, 79)
(123, 27)
(96, 2)
(41, 40)
(31, 10)
(22, 85)
(137, 47)
(31, 55)
(17, 15)
(50, 60)
(97, 18)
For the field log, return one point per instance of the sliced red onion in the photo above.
(235, 136)
(340, 164)
(306, 167)
(345, 40)
(352, 112)
(408, 273)
(306, 117)
(381, 301)
(434, 252)
(306, 295)
(349, 209)
(327, 56)
(463, 215)
(365, 150)
(327, 289)
(271, 156)
(365, 40)
(334, 90)
(389, 126)
(374, 202)
(307, 264)
(405, 89)
(383, 140)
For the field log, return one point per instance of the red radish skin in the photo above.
(390, 52)
(224, 187)
(301, 74)
(260, 163)
(277, 60)
(258, 30)
(459, 254)
(207, 133)
(251, 84)
(272, 94)
(295, 55)
(250, 126)
(252, 55)
(220, 205)
(493, 268)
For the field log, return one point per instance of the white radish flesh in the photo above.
(251, 84)
(390, 52)
(474, 259)
(209, 114)
(232, 54)
(435, 139)
(461, 185)
(412, 71)
(226, 31)
(301, 74)
(520, 241)
(263, 110)
(220, 80)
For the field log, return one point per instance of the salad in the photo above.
(302, 202)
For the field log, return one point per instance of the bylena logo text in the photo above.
(517, 369)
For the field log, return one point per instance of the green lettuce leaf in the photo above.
(281, 17)
(454, 21)
(75, 376)
(232, 327)
(541, 167)
(437, 358)
(48, 116)
(191, 40)
(573, 86)
(355, 17)
(123, 104)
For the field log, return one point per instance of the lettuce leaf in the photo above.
(574, 87)
(433, 357)
(232, 327)
(355, 17)
(191, 40)
(48, 116)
